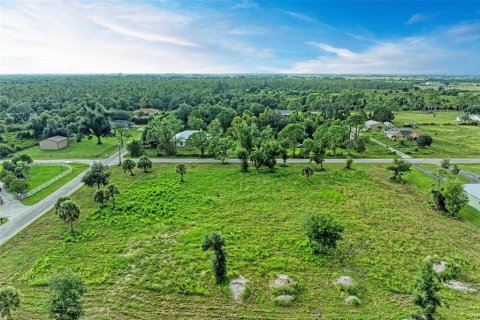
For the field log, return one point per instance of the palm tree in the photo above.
(101, 197)
(9, 301)
(181, 169)
(144, 163)
(128, 165)
(69, 212)
(307, 171)
(113, 191)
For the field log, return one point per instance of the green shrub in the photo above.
(18, 185)
(291, 289)
(135, 148)
(322, 233)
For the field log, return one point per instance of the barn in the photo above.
(54, 143)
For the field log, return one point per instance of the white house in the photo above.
(54, 143)
(182, 137)
(374, 125)
(473, 193)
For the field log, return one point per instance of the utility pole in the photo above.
(120, 145)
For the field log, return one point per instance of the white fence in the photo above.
(49, 182)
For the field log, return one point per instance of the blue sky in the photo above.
(244, 36)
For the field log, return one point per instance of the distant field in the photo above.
(422, 117)
(449, 141)
(144, 261)
(465, 86)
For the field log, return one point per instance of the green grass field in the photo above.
(373, 150)
(441, 117)
(39, 174)
(474, 168)
(143, 260)
(44, 173)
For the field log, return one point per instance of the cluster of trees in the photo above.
(35, 107)
(15, 173)
(144, 163)
(448, 194)
(260, 139)
(65, 301)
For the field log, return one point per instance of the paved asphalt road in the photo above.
(21, 216)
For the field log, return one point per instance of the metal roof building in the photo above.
(473, 193)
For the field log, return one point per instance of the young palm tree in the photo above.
(307, 171)
(101, 197)
(144, 163)
(9, 301)
(181, 169)
(69, 212)
(128, 165)
(113, 191)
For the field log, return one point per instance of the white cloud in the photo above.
(465, 31)
(78, 37)
(416, 18)
(248, 30)
(341, 52)
(300, 16)
(418, 55)
(245, 4)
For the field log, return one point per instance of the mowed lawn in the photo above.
(474, 168)
(85, 149)
(440, 117)
(45, 173)
(39, 174)
(143, 260)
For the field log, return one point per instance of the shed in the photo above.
(374, 125)
(473, 193)
(182, 137)
(54, 143)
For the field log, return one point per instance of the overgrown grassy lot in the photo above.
(449, 141)
(143, 260)
(45, 173)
